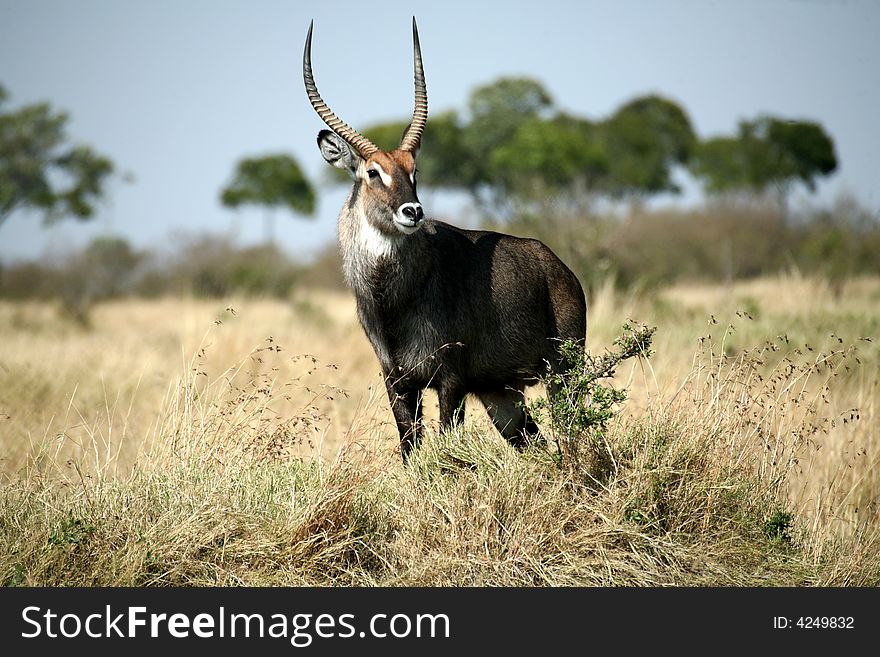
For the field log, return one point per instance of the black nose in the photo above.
(414, 212)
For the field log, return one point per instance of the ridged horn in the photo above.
(413, 135)
(357, 141)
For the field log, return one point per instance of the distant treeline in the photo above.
(203, 266)
(642, 248)
(717, 242)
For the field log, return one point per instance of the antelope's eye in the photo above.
(372, 173)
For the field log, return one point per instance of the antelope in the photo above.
(456, 311)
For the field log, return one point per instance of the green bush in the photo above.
(580, 402)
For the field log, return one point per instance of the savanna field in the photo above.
(184, 441)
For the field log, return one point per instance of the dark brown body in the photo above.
(462, 311)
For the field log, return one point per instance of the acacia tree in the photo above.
(497, 111)
(272, 182)
(41, 170)
(768, 155)
(644, 140)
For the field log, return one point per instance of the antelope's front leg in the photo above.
(406, 404)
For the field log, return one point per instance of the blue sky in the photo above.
(175, 92)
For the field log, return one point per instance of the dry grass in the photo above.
(184, 442)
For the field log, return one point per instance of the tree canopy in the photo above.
(41, 170)
(767, 154)
(553, 155)
(512, 148)
(272, 181)
(643, 140)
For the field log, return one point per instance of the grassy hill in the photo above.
(249, 442)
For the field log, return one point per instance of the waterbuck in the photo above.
(458, 311)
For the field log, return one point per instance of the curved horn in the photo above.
(413, 135)
(360, 143)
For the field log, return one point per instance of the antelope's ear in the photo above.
(338, 152)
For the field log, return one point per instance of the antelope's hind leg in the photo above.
(451, 400)
(507, 409)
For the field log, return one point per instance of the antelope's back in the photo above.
(517, 282)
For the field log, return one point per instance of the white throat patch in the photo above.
(372, 241)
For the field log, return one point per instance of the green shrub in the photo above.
(580, 402)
